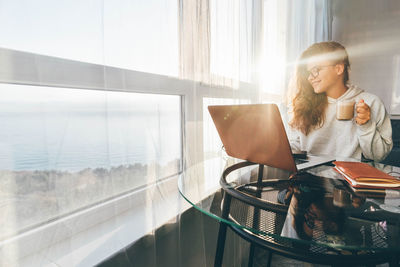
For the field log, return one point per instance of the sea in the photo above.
(72, 139)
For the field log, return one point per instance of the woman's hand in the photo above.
(363, 112)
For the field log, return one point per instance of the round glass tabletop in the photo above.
(316, 211)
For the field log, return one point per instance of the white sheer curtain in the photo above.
(223, 43)
(236, 52)
(219, 41)
(308, 22)
(219, 44)
(105, 101)
(91, 116)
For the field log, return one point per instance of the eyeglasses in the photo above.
(314, 72)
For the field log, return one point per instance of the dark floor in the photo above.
(192, 242)
(189, 242)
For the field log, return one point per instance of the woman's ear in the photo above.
(339, 68)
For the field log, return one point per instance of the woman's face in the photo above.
(324, 75)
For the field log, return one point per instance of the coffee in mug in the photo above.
(345, 110)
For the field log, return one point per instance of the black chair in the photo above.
(261, 221)
(394, 156)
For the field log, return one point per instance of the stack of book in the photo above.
(363, 175)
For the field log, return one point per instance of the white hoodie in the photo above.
(347, 138)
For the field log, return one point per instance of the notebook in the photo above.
(256, 133)
(363, 175)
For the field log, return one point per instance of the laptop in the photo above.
(256, 133)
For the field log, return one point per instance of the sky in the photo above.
(132, 34)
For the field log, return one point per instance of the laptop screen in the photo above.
(255, 133)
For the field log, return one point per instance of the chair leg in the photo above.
(269, 258)
(251, 255)
(256, 213)
(260, 174)
(219, 254)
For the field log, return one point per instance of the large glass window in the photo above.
(142, 35)
(130, 34)
(64, 149)
(65, 29)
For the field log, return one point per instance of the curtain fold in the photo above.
(308, 22)
(220, 41)
(194, 40)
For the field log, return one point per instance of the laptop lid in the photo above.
(255, 133)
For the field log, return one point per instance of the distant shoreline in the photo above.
(29, 198)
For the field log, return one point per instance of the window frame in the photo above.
(25, 68)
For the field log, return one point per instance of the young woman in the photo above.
(322, 76)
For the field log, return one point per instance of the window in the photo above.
(65, 29)
(65, 149)
(124, 33)
(142, 35)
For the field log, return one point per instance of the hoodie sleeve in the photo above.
(375, 136)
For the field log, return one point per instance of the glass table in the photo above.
(314, 216)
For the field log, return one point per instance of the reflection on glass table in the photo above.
(314, 216)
